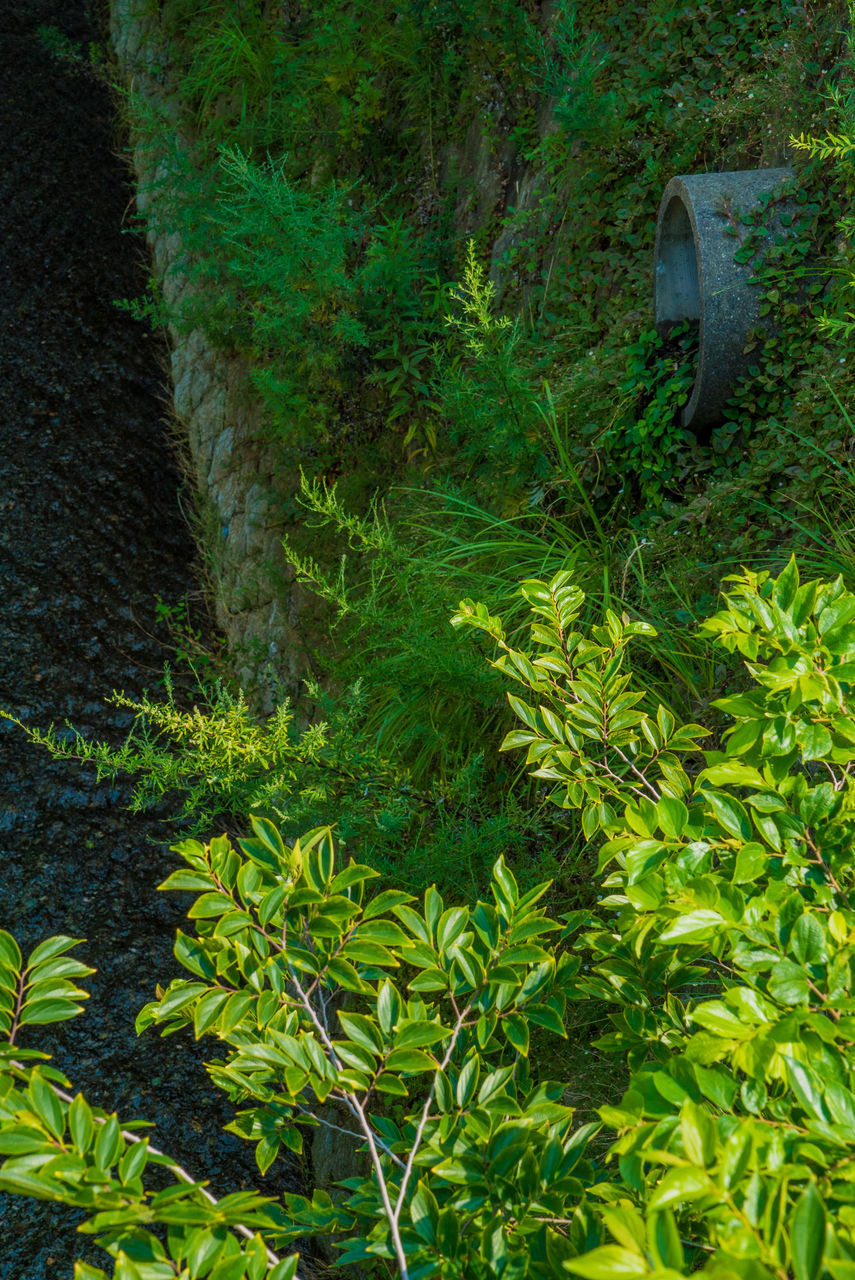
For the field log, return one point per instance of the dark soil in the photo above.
(91, 532)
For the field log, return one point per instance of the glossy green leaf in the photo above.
(46, 1104)
(807, 1234)
(424, 1213)
(80, 1123)
(108, 1143)
(608, 1263)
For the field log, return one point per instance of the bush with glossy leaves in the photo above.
(724, 949)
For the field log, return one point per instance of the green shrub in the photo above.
(724, 947)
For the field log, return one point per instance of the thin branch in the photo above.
(351, 1133)
(637, 772)
(367, 1130)
(425, 1114)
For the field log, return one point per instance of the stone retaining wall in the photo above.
(218, 412)
(239, 488)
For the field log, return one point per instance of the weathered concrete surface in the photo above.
(698, 278)
(235, 470)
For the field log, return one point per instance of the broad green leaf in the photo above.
(694, 926)
(807, 1234)
(268, 834)
(361, 1030)
(751, 862)
(388, 1007)
(80, 1124)
(424, 1213)
(51, 947)
(237, 1007)
(786, 585)
(204, 1248)
(789, 983)
(729, 812)
(419, 1034)
(414, 922)
(545, 1016)
(192, 955)
(58, 967)
(467, 1081)
(430, 980)
(808, 1088)
(207, 1011)
(626, 1226)
(271, 904)
(814, 741)
(386, 901)
(732, 772)
(368, 953)
(451, 924)
(410, 1060)
(286, 1269)
(808, 940)
(698, 1133)
(353, 873)
(346, 975)
(186, 879)
(672, 816)
(210, 905)
(386, 1082)
(24, 1141)
(42, 1012)
(469, 966)
(265, 1153)
(233, 1268)
(680, 1186)
(133, 1162)
(515, 1028)
(664, 1240)
(716, 1017)
(737, 1155)
(448, 1232)
(46, 1104)
(108, 1144)
(505, 882)
(610, 1262)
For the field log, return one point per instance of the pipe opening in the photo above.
(678, 290)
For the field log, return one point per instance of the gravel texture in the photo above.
(91, 533)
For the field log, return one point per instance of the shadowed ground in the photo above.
(90, 533)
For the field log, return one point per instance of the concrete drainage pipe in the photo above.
(696, 277)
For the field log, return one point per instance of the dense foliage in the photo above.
(723, 947)
(530, 413)
(477, 372)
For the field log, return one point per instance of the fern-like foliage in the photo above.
(840, 148)
(221, 759)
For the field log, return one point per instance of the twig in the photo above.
(357, 1109)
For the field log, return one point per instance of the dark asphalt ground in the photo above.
(90, 533)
